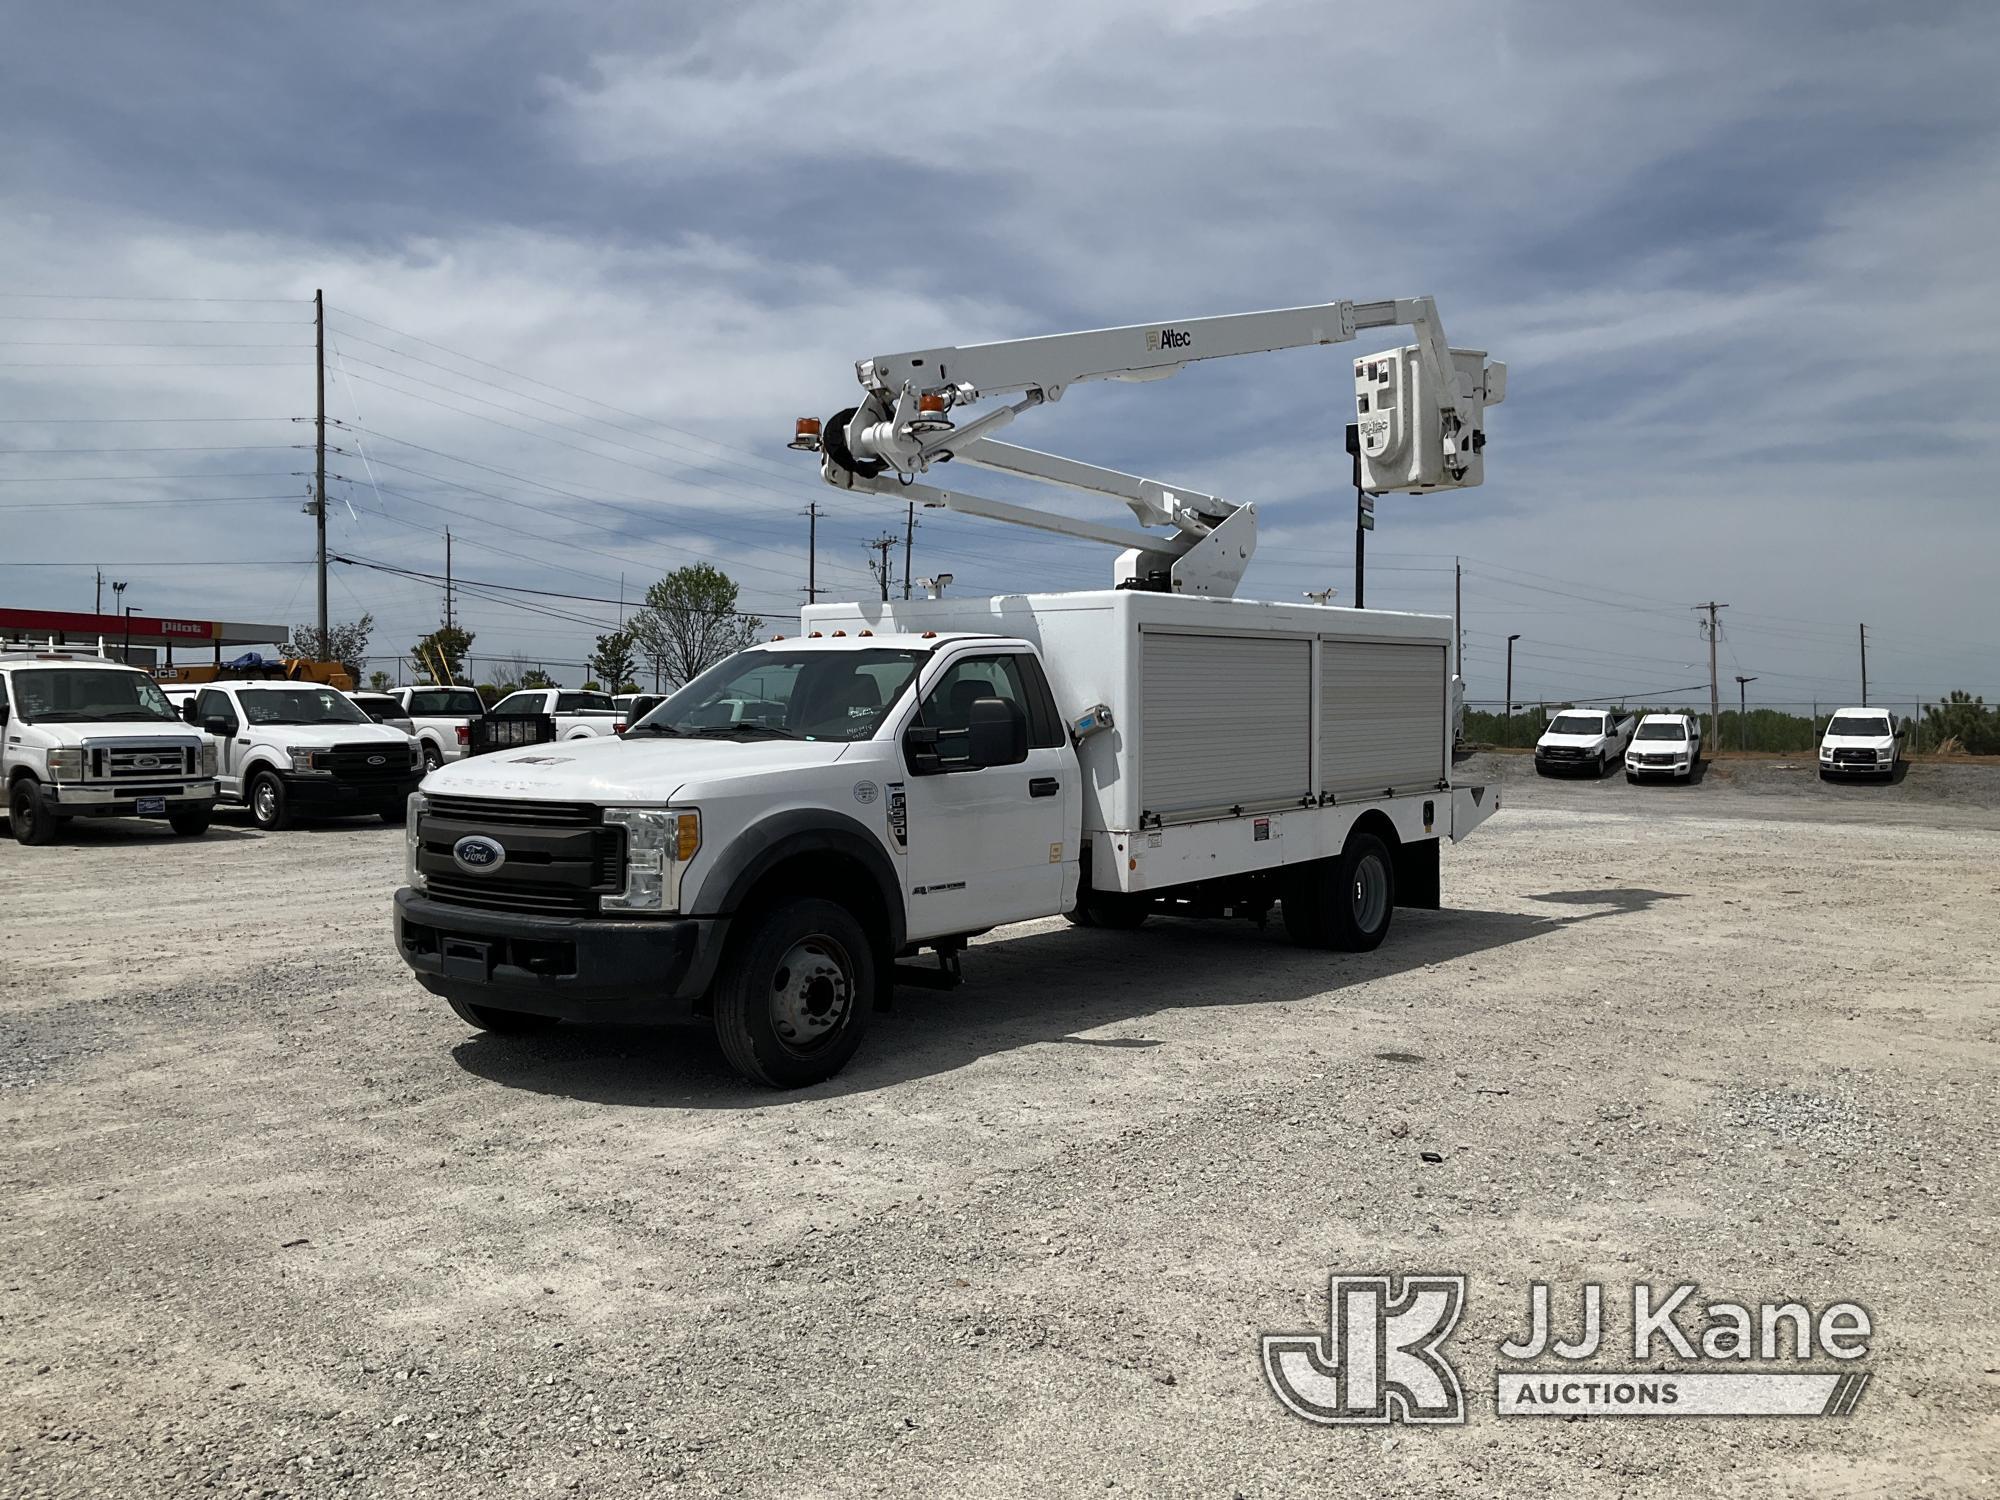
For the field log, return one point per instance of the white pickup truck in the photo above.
(288, 750)
(440, 718)
(1584, 739)
(761, 849)
(87, 737)
(578, 715)
(1860, 742)
(1665, 745)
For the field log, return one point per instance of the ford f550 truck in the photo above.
(765, 847)
(86, 737)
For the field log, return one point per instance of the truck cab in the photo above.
(1860, 742)
(292, 749)
(440, 718)
(1665, 745)
(578, 715)
(86, 737)
(1584, 739)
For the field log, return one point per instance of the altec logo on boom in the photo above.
(1382, 1357)
(1168, 338)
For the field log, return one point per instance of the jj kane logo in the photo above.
(1382, 1357)
(1167, 338)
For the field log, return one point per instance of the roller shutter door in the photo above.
(1225, 720)
(1382, 713)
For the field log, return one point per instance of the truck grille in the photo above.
(365, 762)
(141, 762)
(560, 857)
(1655, 760)
(1850, 757)
(1563, 752)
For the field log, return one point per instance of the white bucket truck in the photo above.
(87, 737)
(764, 847)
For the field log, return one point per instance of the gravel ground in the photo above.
(276, 1224)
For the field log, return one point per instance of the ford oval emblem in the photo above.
(477, 854)
(378, 760)
(146, 762)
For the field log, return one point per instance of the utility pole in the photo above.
(909, 539)
(1864, 666)
(884, 571)
(319, 457)
(1510, 685)
(1714, 631)
(1458, 619)
(447, 581)
(98, 607)
(812, 552)
(1743, 712)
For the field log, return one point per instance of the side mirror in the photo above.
(219, 726)
(187, 712)
(996, 733)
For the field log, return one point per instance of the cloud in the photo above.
(1739, 266)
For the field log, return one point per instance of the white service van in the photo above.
(87, 737)
(763, 847)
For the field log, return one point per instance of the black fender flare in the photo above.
(770, 841)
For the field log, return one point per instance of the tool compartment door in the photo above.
(1225, 721)
(1382, 708)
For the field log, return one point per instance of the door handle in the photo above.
(1043, 786)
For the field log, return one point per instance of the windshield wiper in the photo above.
(653, 729)
(719, 730)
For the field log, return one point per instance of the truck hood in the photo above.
(650, 769)
(1858, 742)
(326, 736)
(1573, 739)
(150, 730)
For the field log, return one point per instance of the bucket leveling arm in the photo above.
(1420, 410)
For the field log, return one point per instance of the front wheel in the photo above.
(190, 822)
(500, 1022)
(433, 757)
(270, 808)
(24, 808)
(794, 994)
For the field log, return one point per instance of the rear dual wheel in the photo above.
(1346, 902)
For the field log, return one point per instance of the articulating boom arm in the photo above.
(1425, 402)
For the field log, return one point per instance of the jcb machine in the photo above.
(765, 848)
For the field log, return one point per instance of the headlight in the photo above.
(66, 765)
(658, 845)
(208, 761)
(1885, 755)
(1826, 752)
(413, 840)
(302, 756)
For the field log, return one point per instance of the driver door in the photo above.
(212, 703)
(987, 846)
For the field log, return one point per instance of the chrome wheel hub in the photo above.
(812, 991)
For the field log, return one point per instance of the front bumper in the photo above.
(330, 794)
(1676, 768)
(1858, 767)
(78, 799)
(575, 968)
(1566, 760)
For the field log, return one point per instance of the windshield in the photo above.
(379, 709)
(1577, 724)
(800, 695)
(1866, 728)
(300, 705)
(444, 703)
(90, 695)
(1663, 731)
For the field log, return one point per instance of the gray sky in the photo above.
(1737, 258)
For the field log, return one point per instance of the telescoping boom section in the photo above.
(1419, 426)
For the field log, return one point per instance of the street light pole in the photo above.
(1510, 686)
(1742, 712)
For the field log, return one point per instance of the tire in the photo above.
(433, 757)
(24, 809)
(1345, 903)
(1630, 779)
(270, 808)
(1114, 911)
(1540, 769)
(499, 1022)
(190, 822)
(794, 993)
(1603, 766)
(395, 816)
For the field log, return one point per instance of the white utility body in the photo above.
(765, 845)
(88, 737)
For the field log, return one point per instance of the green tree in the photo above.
(1963, 718)
(537, 677)
(444, 647)
(615, 659)
(379, 681)
(345, 643)
(691, 622)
